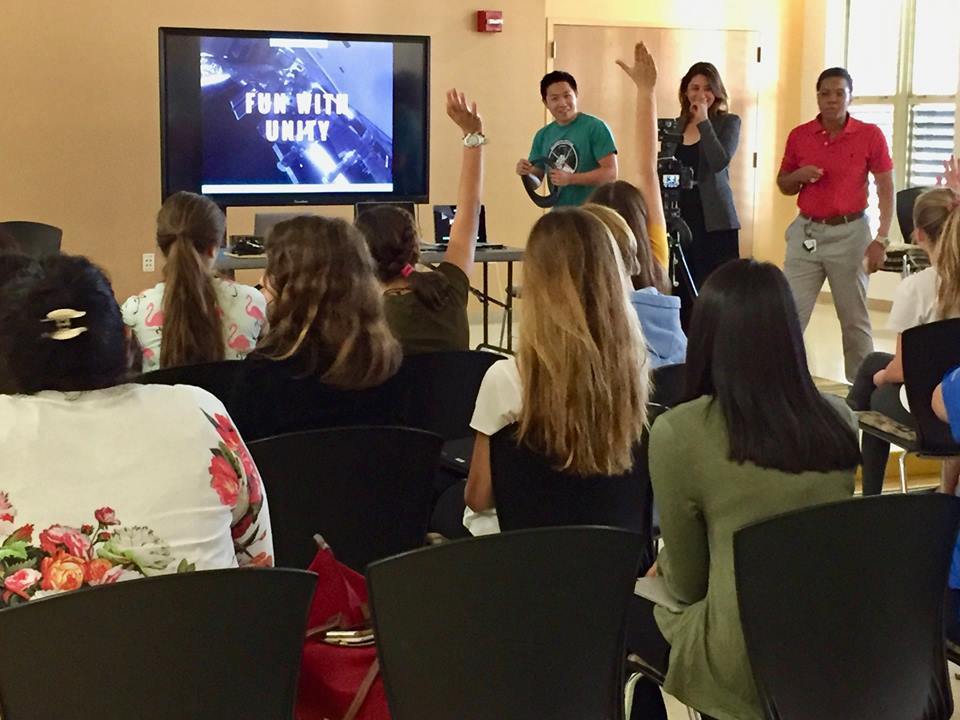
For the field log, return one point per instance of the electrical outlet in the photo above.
(149, 262)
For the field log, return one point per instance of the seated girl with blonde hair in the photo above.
(579, 384)
(643, 240)
(929, 295)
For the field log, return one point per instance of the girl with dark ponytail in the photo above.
(192, 316)
(427, 311)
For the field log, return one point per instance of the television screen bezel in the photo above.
(294, 199)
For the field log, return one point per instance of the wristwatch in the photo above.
(883, 240)
(474, 139)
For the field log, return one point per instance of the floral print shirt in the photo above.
(122, 483)
(242, 311)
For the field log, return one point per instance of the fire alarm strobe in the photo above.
(489, 20)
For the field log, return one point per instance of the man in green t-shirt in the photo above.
(579, 147)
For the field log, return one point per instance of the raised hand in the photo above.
(643, 71)
(463, 114)
(951, 175)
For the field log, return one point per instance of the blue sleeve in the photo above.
(602, 140)
(951, 400)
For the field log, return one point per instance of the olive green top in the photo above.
(703, 498)
(420, 328)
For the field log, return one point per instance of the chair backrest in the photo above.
(34, 238)
(216, 645)
(929, 351)
(906, 199)
(668, 382)
(842, 608)
(221, 379)
(366, 490)
(440, 390)
(512, 626)
(530, 492)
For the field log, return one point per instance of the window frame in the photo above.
(904, 100)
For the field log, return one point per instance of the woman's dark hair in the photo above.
(394, 242)
(35, 361)
(746, 350)
(8, 243)
(628, 202)
(710, 72)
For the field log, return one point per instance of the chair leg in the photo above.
(903, 472)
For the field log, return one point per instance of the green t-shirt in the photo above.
(578, 147)
(421, 328)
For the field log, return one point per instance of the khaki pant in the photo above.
(838, 258)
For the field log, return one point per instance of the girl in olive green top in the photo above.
(427, 311)
(757, 440)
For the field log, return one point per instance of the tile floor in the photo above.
(825, 358)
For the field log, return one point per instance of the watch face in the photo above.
(473, 140)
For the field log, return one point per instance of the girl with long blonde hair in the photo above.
(578, 387)
(929, 295)
(192, 316)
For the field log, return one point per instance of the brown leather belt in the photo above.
(835, 220)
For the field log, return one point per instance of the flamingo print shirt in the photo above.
(242, 310)
(122, 483)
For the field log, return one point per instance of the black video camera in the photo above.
(674, 177)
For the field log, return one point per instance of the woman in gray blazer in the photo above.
(710, 138)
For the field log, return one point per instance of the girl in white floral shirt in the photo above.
(104, 482)
(192, 316)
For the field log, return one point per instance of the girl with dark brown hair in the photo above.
(427, 311)
(711, 134)
(193, 317)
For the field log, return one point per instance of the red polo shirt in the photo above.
(858, 149)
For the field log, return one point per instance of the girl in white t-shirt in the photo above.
(193, 317)
(104, 482)
(578, 388)
(932, 294)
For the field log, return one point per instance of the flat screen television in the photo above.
(291, 118)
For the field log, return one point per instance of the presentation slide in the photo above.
(287, 115)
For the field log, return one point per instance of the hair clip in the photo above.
(407, 270)
(63, 318)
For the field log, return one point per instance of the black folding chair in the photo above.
(907, 258)
(929, 351)
(439, 391)
(513, 626)
(366, 490)
(216, 645)
(34, 238)
(842, 608)
(221, 379)
(668, 384)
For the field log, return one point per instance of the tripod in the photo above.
(678, 235)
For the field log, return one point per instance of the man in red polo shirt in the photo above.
(826, 162)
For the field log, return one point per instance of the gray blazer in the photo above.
(719, 138)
